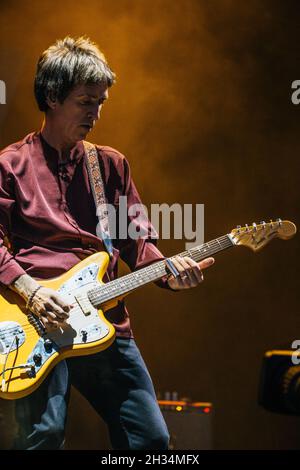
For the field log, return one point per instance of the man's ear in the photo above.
(51, 101)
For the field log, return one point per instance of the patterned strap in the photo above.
(97, 186)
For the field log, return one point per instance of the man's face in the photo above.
(77, 115)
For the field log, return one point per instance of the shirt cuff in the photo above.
(10, 271)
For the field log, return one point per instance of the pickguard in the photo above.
(80, 328)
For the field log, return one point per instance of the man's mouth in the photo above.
(87, 127)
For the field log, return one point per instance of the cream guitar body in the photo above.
(37, 351)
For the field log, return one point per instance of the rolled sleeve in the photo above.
(10, 270)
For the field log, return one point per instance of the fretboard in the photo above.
(125, 284)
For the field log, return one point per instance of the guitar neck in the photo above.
(125, 284)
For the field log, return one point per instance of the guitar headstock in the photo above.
(256, 236)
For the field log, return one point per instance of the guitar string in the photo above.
(131, 284)
(156, 269)
(157, 266)
(128, 284)
(206, 249)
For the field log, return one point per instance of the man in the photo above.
(48, 215)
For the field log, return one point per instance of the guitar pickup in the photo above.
(84, 304)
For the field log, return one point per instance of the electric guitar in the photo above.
(28, 352)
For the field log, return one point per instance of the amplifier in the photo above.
(189, 424)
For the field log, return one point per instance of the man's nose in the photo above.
(95, 113)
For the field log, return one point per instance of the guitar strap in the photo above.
(96, 182)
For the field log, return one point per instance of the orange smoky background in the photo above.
(202, 109)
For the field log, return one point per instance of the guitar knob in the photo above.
(279, 221)
(37, 358)
(48, 345)
(84, 335)
(254, 227)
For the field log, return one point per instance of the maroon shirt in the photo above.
(48, 214)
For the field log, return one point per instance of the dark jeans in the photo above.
(117, 384)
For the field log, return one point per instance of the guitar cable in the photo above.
(15, 338)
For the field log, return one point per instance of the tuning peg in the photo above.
(279, 221)
(263, 223)
(254, 227)
(238, 227)
(246, 227)
(271, 223)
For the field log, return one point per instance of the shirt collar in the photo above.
(52, 156)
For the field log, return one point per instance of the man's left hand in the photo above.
(190, 272)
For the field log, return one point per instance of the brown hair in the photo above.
(67, 63)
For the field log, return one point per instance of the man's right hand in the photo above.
(47, 304)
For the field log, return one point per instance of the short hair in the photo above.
(67, 63)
